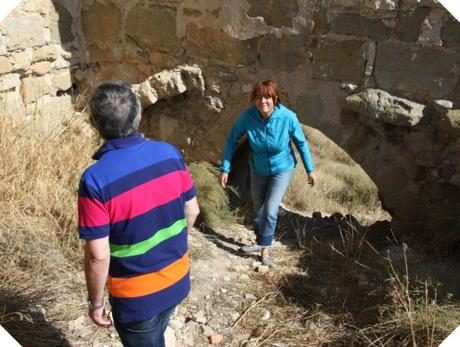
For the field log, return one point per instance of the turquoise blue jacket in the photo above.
(269, 140)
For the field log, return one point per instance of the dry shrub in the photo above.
(346, 292)
(41, 166)
(342, 185)
(416, 315)
(42, 160)
(214, 202)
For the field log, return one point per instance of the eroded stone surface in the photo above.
(275, 12)
(216, 45)
(410, 69)
(101, 23)
(152, 28)
(339, 60)
(381, 105)
(282, 54)
(24, 32)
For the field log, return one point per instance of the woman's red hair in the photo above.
(266, 88)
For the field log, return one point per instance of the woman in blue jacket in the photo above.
(269, 127)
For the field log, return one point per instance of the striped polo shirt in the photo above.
(135, 194)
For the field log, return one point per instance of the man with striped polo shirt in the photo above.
(136, 205)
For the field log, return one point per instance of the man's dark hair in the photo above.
(114, 110)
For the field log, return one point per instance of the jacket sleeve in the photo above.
(236, 133)
(301, 143)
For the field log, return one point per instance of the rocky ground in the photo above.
(226, 287)
(221, 294)
(323, 283)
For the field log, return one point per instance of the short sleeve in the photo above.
(93, 216)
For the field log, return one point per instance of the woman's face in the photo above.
(265, 105)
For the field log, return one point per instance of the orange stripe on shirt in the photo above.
(149, 283)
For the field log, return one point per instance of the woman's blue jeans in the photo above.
(267, 193)
(148, 333)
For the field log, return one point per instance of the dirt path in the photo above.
(224, 287)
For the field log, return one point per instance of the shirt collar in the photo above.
(117, 143)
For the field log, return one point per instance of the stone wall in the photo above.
(380, 78)
(38, 49)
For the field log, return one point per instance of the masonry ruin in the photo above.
(380, 78)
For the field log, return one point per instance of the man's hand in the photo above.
(223, 179)
(97, 316)
(311, 178)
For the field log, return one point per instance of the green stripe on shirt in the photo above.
(122, 251)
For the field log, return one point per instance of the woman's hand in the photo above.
(311, 178)
(223, 179)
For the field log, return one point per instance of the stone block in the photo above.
(46, 53)
(36, 6)
(382, 8)
(384, 5)
(339, 60)
(5, 65)
(391, 179)
(11, 103)
(60, 24)
(191, 12)
(412, 4)
(22, 60)
(450, 34)
(152, 27)
(379, 104)
(310, 108)
(102, 23)
(96, 54)
(416, 69)
(61, 63)
(35, 87)
(357, 25)
(278, 13)
(3, 49)
(40, 68)
(450, 122)
(408, 24)
(9, 82)
(23, 32)
(61, 80)
(430, 29)
(56, 107)
(282, 54)
(216, 45)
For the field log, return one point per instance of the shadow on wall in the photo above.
(67, 36)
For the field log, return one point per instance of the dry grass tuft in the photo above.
(416, 314)
(214, 202)
(41, 166)
(39, 246)
(346, 292)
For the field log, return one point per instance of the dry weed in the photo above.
(41, 163)
(214, 202)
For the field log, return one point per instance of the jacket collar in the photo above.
(117, 143)
(274, 113)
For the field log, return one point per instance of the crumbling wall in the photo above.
(39, 48)
(380, 78)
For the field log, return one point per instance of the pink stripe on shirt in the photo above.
(135, 201)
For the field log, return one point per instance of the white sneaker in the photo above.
(251, 248)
